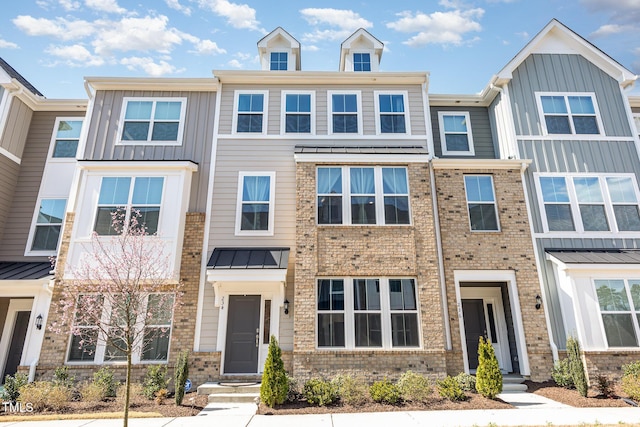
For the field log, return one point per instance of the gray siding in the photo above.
(15, 132)
(564, 73)
(483, 142)
(8, 179)
(196, 144)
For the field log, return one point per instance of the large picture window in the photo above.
(157, 121)
(569, 114)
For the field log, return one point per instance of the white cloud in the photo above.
(75, 55)
(619, 11)
(59, 28)
(110, 6)
(141, 34)
(344, 23)
(610, 29)
(310, 48)
(234, 63)
(523, 34)
(155, 69)
(175, 4)
(447, 28)
(4, 44)
(207, 47)
(237, 15)
(69, 4)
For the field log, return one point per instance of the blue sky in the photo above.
(462, 43)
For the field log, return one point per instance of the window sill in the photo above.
(152, 143)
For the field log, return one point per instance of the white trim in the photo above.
(54, 138)
(443, 134)
(118, 166)
(10, 156)
(480, 163)
(330, 113)
(405, 105)
(636, 121)
(216, 275)
(582, 137)
(569, 114)
(272, 196)
(154, 100)
(283, 113)
(265, 111)
(343, 136)
(34, 223)
(495, 204)
(15, 306)
(361, 158)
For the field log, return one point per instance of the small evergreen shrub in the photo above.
(488, 375)
(12, 385)
(351, 391)
(414, 387)
(45, 395)
(576, 366)
(604, 386)
(320, 392)
(103, 377)
(450, 389)
(274, 387)
(181, 375)
(92, 392)
(155, 379)
(561, 373)
(62, 377)
(631, 380)
(385, 391)
(295, 390)
(467, 382)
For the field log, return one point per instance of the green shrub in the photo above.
(295, 390)
(61, 377)
(488, 375)
(103, 377)
(320, 392)
(414, 387)
(181, 375)
(632, 368)
(274, 387)
(561, 373)
(351, 391)
(136, 397)
(467, 382)
(631, 380)
(576, 366)
(604, 386)
(385, 391)
(450, 389)
(12, 385)
(45, 395)
(92, 392)
(155, 379)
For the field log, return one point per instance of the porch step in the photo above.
(234, 398)
(230, 392)
(513, 382)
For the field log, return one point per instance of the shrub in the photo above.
(103, 377)
(385, 392)
(181, 375)
(136, 398)
(161, 395)
(155, 379)
(450, 389)
(45, 395)
(467, 382)
(12, 385)
(61, 377)
(576, 366)
(295, 392)
(631, 380)
(92, 392)
(274, 387)
(604, 385)
(414, 387)
(351, 391)
(561, 373)
(488, 375)
(320, 392)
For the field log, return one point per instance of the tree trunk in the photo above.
(127, 392)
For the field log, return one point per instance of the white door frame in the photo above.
(15, 306)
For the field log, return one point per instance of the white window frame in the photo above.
(573, 134)
(283, 115)
(275, 50)
(385, 312)
(52, 144)
(34, 225)
(379, 196)
(636, 121)
(265, 110)
(362, 52)
(155, 100)
(272, 195)
(575, 205)
(494, 203)
(330, 113)
(632, 311)
(443, 139)
(405, 101)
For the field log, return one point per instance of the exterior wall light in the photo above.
(286, 306)
(39, 322)
(538, 302)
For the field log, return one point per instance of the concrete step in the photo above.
(234, 397)
(512, 383)
(228, 388)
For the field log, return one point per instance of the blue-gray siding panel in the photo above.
(480, 130)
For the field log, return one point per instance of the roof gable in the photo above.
(359, 40)
(280, 39)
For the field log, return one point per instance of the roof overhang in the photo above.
(138, 165)
(248, 264)
(208, 84)
(521, 164)
(319, 77)
(25, 270)
(595, 259)
(40, 103)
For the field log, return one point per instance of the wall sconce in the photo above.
(286, 306)
(538, 302)
(39, 322)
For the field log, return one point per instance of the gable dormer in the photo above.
(279, 51)
(360, 52)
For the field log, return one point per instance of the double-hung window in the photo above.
(278, 61)
(619, 302)
(84, 340)
(298, 112)
(250, 112)
(255, 211)
(129, 199)
(361, 62)
(66, 137)
(345, 112)
(481, 203)
(48, 225)
(363, 195)
(455, 133)
(367, 313)
(155, 121)
(392, 112)
(569, 114)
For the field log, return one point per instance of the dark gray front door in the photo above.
(243, 335)
(17, 343)
(474, 328)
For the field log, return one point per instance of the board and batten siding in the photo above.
(16, 128)
(103, 139)
(18, 223)
(481, 133)
(275, 110)
(564, 73)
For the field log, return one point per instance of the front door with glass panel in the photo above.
(243, 334)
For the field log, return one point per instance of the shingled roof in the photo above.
(16, 75)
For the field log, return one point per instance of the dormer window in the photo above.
(361, 62)
(278, 61)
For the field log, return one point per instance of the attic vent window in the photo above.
(361, 62)
(278, 61)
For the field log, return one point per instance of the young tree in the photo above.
(488, 375)
(121, 296)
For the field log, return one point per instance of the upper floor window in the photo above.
(139, 197)
(569, 114)
(363, 195)
(158, 121)
(481, 202)
(455, 133)
(619, 302)
(345, 116)
(391, 111)
(361, 62)
(65, 138)
(48, 225)
(589, 202)
(278, 61)
(298, 112)
(255, 212)
(250, 113)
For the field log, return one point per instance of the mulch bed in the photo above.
(571, 397)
